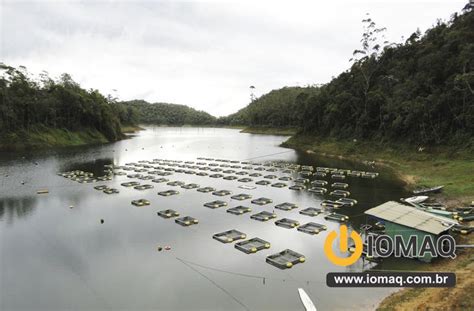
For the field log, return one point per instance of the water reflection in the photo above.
(12, 208)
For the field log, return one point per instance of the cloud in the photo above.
(204, 54)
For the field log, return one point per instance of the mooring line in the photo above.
(215, 284)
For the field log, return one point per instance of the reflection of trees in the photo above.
(19, 207)
(96, 166)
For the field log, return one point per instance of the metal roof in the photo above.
(411, 217)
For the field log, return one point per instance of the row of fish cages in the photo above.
(336, 173)
(85, 177)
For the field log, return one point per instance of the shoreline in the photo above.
(457, 298)
(43, 138)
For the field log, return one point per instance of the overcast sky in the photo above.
(204, 54)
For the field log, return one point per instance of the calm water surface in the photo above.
(54, 257)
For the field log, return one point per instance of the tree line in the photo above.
(28, 103)
(169, 114)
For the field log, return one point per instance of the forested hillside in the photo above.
(169, 114)
(29, 104)
(420, 91)
(278, 108)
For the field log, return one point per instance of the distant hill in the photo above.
(282, 107)
(169, 114)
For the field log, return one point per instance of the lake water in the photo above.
(54, 257)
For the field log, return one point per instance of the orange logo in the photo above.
(345, 261)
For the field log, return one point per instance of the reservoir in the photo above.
(57, 255)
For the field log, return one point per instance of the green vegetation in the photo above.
(439, 165)
(40, 136)
(420, 92)
(45, 112)
(168, 114)
(278, 109)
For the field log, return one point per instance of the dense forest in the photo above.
(278, 108)
(28, 103)
(168, 114)
(420, 91)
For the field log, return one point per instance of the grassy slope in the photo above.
(47, 137)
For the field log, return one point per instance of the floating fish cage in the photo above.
(176, 183)
(148, 177)
(301, 180)
(245, 179)
(143, 187)
(111, 191)
(201, 174)
(252, 245)
(141, 202)
(287, 223)
(312, 228)
(263, 182)
(190, 186)
(216, 169)
(318, 190)
(160, 180)
(255, 175)
(120, 173)
(340, 193)
(369, 175)
(164, 173)
(241, 196)
(347, 201)
(101, 187)
(130, 184)
(311, 211)
(319, 183)
(239, 210)
(336, 217)
(168, 213)
(263, 216)
(297, 187)
(286, 206)
(320, 174)
(285, 178)
(229, 236)
(270, 176)
(247, 187)
(340, 185)
(261, 201)
(240, 173)
(307, 168)
(186, 221)
(168, 193)
(230, 177)
(285, 259)
(338, 176)
(216, 176)
(215, 204)
(134, 175)
(279, 185)
(222, 193)
(331, 204)
(206, 189)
